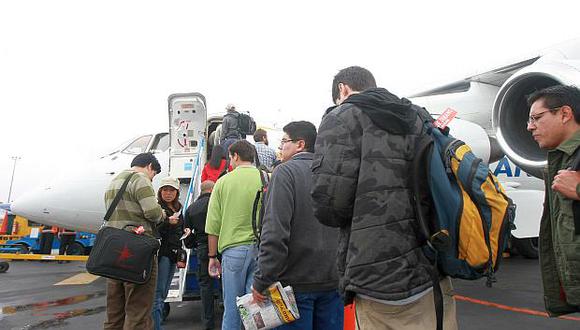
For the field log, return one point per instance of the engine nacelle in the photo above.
(511, 111)
(474, 135)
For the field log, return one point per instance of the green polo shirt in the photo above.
(229, 213)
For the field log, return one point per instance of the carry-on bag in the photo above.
(121, 254)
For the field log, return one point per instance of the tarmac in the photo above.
(48, 295)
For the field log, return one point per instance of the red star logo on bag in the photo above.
(124, 254)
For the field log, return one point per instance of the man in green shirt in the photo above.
(229, 229)
(554, 122)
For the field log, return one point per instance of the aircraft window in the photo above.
(138, 146)
(117, 149)
(161, 143)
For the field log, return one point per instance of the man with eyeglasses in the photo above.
(295, 249)
(554, 122)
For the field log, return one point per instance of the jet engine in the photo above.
(511, 111)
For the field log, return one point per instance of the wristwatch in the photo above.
(212, 257)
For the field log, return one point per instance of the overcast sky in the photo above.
(79, 77)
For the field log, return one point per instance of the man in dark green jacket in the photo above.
(554, 122)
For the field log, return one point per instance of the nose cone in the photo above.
(31, 205)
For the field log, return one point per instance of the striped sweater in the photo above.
(138, 206)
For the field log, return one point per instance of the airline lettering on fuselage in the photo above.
(504, 166)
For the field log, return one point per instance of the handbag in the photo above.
(120, 254)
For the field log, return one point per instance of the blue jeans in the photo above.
(318, 310)
(164, 277)
(205, 286)
(238, 267)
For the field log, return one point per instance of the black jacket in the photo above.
(195, 219)
(230, 129)
(295, 249)
(362, 184)
(170, 235)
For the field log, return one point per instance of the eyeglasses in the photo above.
(284, 141)
(533, 119)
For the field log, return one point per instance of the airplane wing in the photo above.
(496, 77)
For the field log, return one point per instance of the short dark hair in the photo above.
(244, 149)
(260, 134)
(356, 77)
(146, 158)
(558, 96)
(302, 130)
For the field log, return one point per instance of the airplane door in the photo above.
(187, 150)
(187, 131)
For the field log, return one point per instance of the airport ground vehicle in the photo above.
(33, 244)
(18, 235)
(12, 226)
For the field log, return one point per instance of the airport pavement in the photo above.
(30, 299)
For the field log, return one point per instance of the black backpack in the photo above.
(246, 124)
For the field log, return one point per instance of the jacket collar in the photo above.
(204, 195)
(305, 155)
(569, 146)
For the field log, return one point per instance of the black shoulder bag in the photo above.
(120, 254)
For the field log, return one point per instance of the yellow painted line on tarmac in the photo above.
(79, 279)
(50, 257)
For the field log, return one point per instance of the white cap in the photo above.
(170, 181)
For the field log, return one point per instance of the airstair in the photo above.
(187, 155)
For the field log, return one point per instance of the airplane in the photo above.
(491, 117)
(76, 201)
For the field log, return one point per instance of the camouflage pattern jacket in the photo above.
(361, 168)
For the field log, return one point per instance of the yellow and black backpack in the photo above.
(462, 209)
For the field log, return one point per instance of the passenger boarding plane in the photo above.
(491, 117)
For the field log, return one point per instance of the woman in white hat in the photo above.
(170, 250)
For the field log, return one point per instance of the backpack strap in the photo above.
(257, 225)
(423, 205)
(575, 166)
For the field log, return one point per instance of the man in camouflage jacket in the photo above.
(361, 183)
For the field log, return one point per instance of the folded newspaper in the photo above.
(279, 308)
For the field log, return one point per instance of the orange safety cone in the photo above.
(4, 228)
(349, 318)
